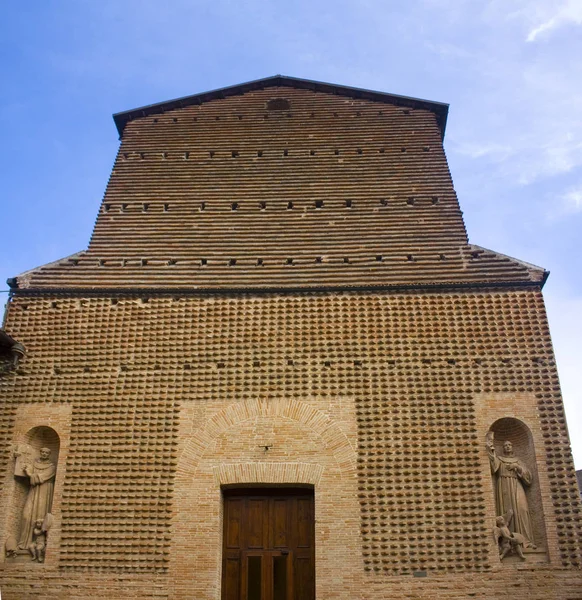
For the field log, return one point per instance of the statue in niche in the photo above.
(505, 539)
(511, 475)
(41, 475)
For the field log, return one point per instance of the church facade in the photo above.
(280, 371)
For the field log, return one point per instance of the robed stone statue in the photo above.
(511, 478)
(41, 476)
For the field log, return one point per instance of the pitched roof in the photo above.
(467, 266)
(333, 192)
(439, 108)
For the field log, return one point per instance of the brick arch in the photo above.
(268, 473)
(334, 438)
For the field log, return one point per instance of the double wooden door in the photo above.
(268, 548)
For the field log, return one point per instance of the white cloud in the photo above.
(573, 199)
(569, 13)
(523, 159)
(526, 95)
(560, 205)
(491, 150)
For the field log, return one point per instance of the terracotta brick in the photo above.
(373, 381)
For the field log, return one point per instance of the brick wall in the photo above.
(380, 401)
(165, 383)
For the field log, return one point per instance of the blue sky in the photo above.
(509, 69)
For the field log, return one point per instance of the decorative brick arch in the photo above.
(268, 473)
(334, 438)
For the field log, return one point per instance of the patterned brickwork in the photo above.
(197, 342)
(227, 194)
(118, 517)
(447, 363)
(117, 494)
(412, 363)
(5, 362)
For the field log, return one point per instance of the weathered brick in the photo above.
(374, 380)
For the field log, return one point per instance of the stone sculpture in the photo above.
(11, 546)
(24, 454)
(505, 539)
(511, 475)
(37, 547)
(41, 475)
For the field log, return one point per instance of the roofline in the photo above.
(439, 108)
(321, 289)
(12, 281)
(530, 266)
(527, 265)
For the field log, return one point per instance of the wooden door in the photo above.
(268, 547)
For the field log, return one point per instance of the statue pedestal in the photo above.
(532, 557)
(22, 556)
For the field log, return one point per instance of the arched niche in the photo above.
(509, 429)
(44, 437)
(29, 501)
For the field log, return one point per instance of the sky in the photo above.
(509, 69)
